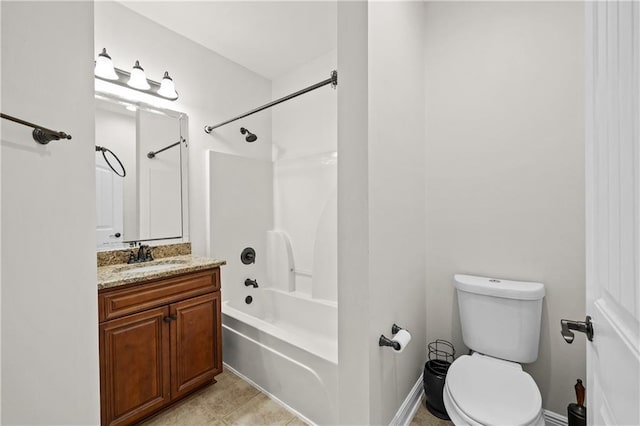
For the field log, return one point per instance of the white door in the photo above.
(109, 218)
(613, 212)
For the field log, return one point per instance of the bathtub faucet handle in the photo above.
(251, 283)
(248, 256)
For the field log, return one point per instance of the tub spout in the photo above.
(251, 283)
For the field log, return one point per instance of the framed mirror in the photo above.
(141, 173)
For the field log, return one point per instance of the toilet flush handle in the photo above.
(582, 326)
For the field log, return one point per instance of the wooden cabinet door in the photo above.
(196, 343)
(134, 370)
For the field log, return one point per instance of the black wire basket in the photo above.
(441, 355)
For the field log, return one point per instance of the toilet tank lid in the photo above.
(520, 290)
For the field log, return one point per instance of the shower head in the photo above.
(250, 136)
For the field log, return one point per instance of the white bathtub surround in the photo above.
(278, 317)
(308, 324)
(241, 212)
(280, 266)
(286, 345)
(305, 213)
(325, 252)
(285, 341)
(305, 176)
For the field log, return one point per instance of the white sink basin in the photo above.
(143, 269)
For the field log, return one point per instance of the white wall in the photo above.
(381, 209)
(49, 289)
(307, 124)
(353, 217)
(211, 87)
(305, 175)
(1, 123)
(505, 166)
(396, 199)
(0, 226)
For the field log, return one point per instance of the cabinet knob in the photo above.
(170, 318)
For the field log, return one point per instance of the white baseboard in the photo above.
(405, 413)
(410, 405)
(554, 419)
(270, 395)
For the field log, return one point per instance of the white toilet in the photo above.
(500, 322)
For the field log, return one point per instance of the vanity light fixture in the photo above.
(136, 80)
(104, 66)
(167, 87)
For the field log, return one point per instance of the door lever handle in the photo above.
(585, 326)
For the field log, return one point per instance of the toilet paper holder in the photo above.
(385, 341)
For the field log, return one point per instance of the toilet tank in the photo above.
(500, 318)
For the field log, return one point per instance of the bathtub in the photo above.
(286, 344)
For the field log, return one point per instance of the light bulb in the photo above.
(138, 79)
(167, 87)
(104, 66)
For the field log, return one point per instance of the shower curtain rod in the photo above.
(333, 80)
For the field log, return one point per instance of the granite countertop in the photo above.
(122, 274)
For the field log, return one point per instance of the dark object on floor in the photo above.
(441, 355)
(577, 413)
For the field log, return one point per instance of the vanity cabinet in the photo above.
(159, 341)
(193, 343)
(134, 366)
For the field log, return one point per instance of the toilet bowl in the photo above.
(500, 321)
(481, 390)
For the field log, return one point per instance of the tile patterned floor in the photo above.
(424, 418)
(232, 401)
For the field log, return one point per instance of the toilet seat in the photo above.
(487, 391)
(458, 417)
